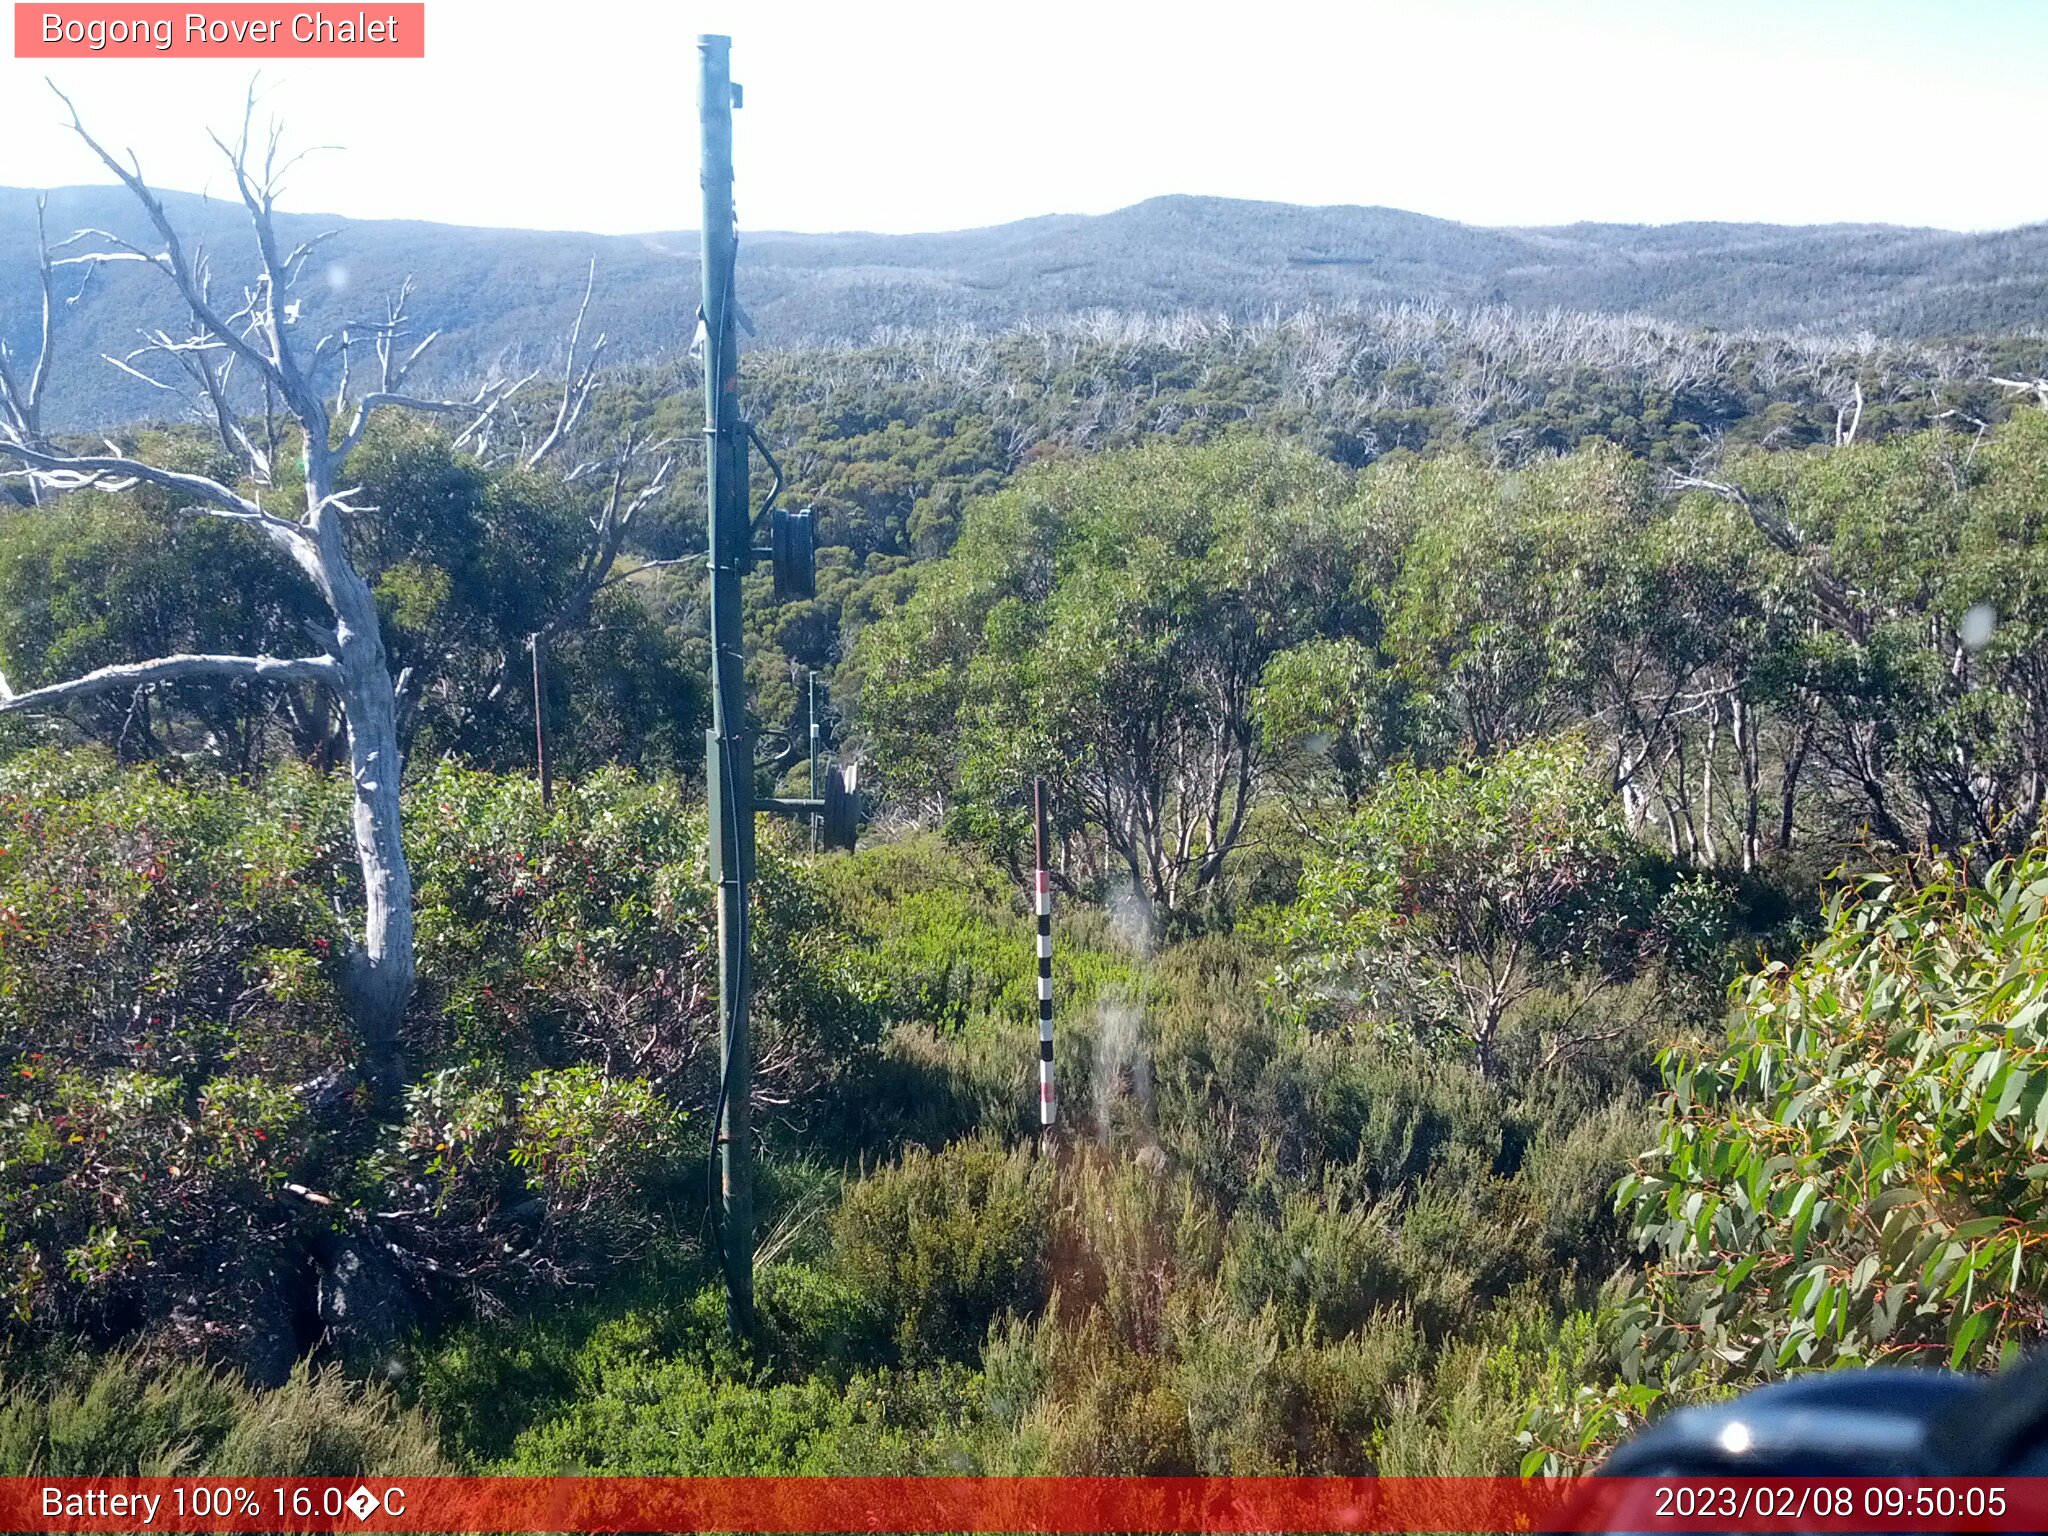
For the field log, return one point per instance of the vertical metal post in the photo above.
(730, 770)
(540, 721)
(811, 712)
(1043, 894)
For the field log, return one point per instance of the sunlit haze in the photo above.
(907, 116)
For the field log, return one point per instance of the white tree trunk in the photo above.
(381, 971)
(352, 663)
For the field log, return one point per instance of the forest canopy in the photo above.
(1474, 742)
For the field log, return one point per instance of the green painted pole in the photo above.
(730, 769)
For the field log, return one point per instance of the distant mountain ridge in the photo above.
(502, 297)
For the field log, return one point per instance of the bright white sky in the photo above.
(904, 115)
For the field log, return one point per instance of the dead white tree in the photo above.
(1849, 415)
(21, 394)
(246, 346)
(2038, 388)
(631, 487)
(579, 382)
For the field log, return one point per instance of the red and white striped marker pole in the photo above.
(1044, 902)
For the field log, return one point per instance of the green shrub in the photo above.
(185, 1143)
(1328, 1266)
(582, 932)
(166, 973)
(1465, 1417)
(1454, 896)
(120, 1417)
(947, 1242)
(674, 1419)
(813, 1318)
(1858, 1173)
(485, 1385)
(1226, 1370)
(320, 1424)
(678, 1418)
(1572, 1173)
(1399, 1114)
(949, 938)
(1209, 1388)
(925, 1088)
(1334, 1395)
(946, 949)
(1112, 1410)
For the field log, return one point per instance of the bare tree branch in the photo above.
(75, 472)
(1846, 423)
(608, 530)
(259, 196)
(576, 385)
(481, 406)
(23, 403)
(2038, 388)
(164, 669)
(650, 565)
(381, 965)
(174, 259)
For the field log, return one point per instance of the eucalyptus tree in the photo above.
(1921, 563)
(1510, 583)
(1338, 712)
(1455, 895)
(232, 343)
(1106, 624)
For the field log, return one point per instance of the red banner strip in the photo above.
(380, 29)
(1022, 1504)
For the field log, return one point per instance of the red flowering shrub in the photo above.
(182, 1147)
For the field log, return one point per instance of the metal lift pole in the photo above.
(730, 749)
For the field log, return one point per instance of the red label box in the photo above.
(1050, 1506)
(376, 30)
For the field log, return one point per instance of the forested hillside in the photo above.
(499, 297)
(1476, 742)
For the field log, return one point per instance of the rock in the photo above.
(364, 1303)
(266, 1347)
(250, 1323)
(329, 1094)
